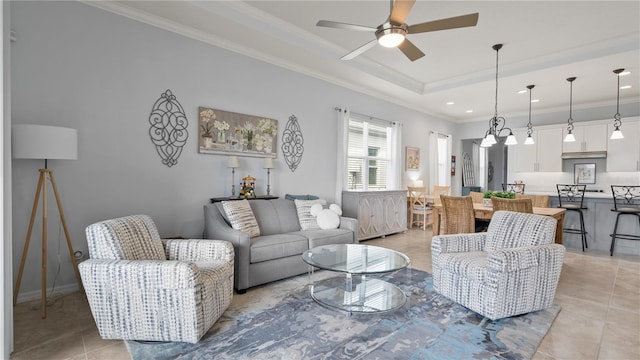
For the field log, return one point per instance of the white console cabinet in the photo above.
(379, 213)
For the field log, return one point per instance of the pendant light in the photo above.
(570, 137)
(497, 123)
(617, 134)
(529, 140)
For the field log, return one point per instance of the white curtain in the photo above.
(342, 130)
(395, 167)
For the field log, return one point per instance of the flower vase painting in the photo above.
(224, 132)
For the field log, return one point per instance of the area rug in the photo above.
(281, 321)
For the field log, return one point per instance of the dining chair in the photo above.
(476, 197)
(418, 207)
(541, 201)
(440, 190)
(516, 205)
(513, 188)
(626, 201)
(458, 215)
(571, 197)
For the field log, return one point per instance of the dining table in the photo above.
(486, 212)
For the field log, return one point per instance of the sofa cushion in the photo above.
(303, 207)
(241, 217)
(266, 216)
(318, 237)
(269, 247)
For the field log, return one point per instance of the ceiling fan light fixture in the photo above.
(391, 36)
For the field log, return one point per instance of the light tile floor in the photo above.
(599, 295)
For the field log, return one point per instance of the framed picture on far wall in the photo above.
(584, 173)
(413, 158)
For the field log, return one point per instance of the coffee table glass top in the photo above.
(356, 258)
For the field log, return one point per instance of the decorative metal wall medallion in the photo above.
(292, 143)
(168, 129)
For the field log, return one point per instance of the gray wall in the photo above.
(77, 66)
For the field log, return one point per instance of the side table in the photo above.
(231, 198)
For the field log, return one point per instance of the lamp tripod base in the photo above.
(42, 187)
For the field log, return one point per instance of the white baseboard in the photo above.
(37, 295)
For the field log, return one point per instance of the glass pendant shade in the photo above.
(616, 134)
(569, 138)
(511, 140)
(529, 141)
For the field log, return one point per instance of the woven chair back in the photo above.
(440, 190)
(458, 215)
(516, 205)
(540, 201)
(476, 197)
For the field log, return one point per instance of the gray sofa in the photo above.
(277, 253)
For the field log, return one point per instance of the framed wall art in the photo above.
(412, 158)
(225, 132)
(585, 173)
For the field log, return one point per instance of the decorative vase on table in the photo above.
(221, 137)
(208, 142)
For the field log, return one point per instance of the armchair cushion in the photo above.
(513, 231)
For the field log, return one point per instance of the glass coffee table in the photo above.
(357, 291)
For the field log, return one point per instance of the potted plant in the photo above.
(487, 195)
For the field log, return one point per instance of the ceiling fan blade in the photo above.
(339, 25)
(444, 24)
(360, 50)
(401, 9)
(410, 50)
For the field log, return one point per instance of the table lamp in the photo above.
(268, 164)
(49, 143)
(233, 164)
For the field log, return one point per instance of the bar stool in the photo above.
(626, 201)
(570, 197)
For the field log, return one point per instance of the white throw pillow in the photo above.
(307, 221)
(241, 217)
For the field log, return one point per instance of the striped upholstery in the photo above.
(303, 207)
(511, 269)
(141, 289)
(241, 217)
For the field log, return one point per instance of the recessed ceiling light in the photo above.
(535, 100)
(625, 87)
(450, 103)
(624, 73)
(469, 111)
(522, 91)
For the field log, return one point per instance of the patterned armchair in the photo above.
(140, 287)
(511, 269)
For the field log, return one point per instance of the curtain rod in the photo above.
(367, 116)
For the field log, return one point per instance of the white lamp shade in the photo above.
(268, 163)
(569, 138)
(44, 142)
(233, 162)
(511, 140)
(616, 134)
(529, 141)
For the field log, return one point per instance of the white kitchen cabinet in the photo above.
(588, 138)
(544, 155)
(624, 154)
(379, 213)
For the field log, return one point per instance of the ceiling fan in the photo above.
(393, 32)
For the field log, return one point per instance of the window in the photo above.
(368, 143)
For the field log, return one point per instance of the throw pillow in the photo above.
(307, 221)
(241, 217)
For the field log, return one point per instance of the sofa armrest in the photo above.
(215, 227)
(458, 242)
(199, 250)
(350, 224)
(516, 259)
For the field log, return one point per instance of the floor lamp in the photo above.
(44, 142)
